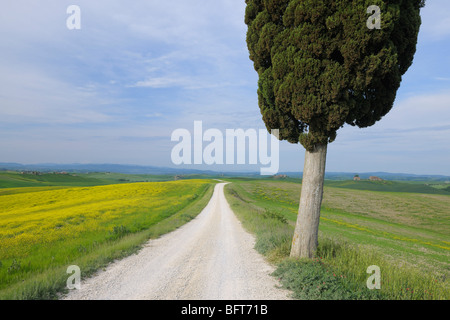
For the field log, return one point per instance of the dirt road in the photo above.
(211, 257)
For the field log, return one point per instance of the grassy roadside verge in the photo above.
(50, 282)
(340, 268)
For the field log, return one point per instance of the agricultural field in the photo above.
(405, 233)
(43, 229)
(14, 179)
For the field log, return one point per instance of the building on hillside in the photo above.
(373, 178)
(356, 178)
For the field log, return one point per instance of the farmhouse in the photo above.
(356, 178)
(374, 178)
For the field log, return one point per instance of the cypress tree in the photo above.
(320, 67)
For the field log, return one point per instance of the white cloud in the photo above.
(31, 96)
(423, 111)
(164, 82)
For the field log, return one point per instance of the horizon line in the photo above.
(212, 170)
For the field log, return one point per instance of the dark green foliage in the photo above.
(320, 67)
(277, 215)
(14, 267)
(119, 232)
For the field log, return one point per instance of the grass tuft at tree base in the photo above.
(314, 280)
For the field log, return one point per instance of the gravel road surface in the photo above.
(210, 258)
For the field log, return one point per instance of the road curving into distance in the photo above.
(210, 258)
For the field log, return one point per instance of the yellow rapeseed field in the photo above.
(40, 218)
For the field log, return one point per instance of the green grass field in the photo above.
(43, 230)
(13, 179)
(388, 186)
(405, 233)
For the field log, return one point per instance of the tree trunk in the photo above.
(305, 240)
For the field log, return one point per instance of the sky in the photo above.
(115, 90)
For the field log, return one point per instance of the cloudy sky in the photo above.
(115, 90)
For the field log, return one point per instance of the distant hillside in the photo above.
(153, 170)
(382, 175)
(426, 186)
(85, 168)
(116, 168)
(388, 176)
(16, 179)
(386, 186)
